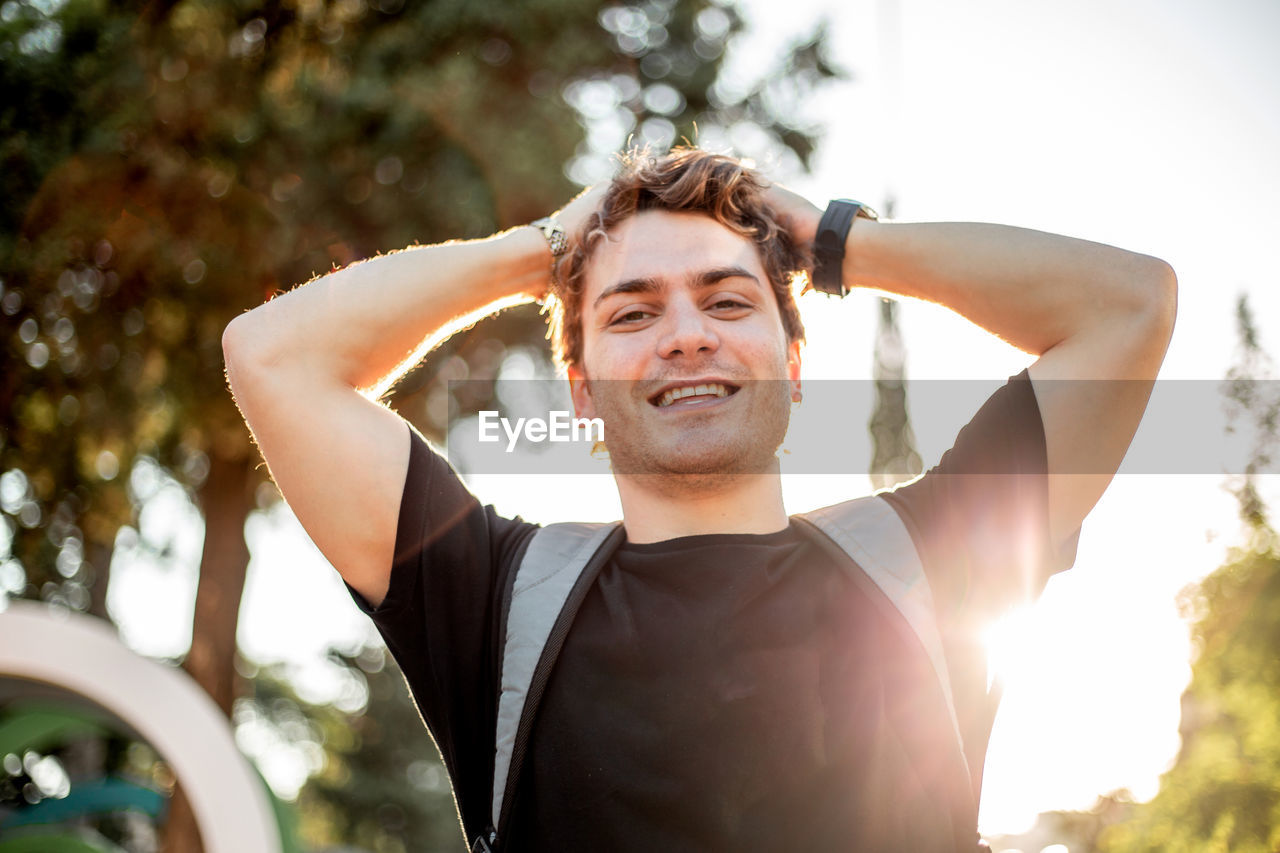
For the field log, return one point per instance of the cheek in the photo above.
(616, 357)
(766, 347)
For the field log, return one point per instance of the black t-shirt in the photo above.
(724, 691)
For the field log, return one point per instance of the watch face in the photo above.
(864, 210)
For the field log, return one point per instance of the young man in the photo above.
(725, 685)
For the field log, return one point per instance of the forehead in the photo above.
(667, 246)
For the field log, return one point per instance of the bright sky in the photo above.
(1151, 126)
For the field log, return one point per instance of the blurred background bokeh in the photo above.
(165, 166)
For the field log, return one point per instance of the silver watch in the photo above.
(554, 232)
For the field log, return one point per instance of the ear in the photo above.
(793, 369)
(583, 405)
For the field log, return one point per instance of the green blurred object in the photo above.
(48, 842)
(89, 798)
(36, 726)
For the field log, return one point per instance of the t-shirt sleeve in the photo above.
(439, 618)
(980, 517)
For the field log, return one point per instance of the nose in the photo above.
(686, 331)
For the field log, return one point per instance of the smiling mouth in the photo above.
(690, 394)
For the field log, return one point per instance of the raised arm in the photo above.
(307, 369)
(1090, 311)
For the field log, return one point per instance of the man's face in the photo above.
(684, 355)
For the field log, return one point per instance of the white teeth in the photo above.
(673, 394)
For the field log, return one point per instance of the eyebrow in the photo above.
(704, 279)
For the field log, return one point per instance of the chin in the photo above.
(717, 443)
(699, 455)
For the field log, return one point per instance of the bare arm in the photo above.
(307, 368)
(1090, 311)
(1032, 289)
(367, 324)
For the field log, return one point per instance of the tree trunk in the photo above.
(181, 835)
(226, 498)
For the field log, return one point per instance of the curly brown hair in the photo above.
(684, 180)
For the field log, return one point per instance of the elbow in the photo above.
(1145, 292)
(230, 338)
(235, 339)
(1162, 297)
(233, 359)
(245, 339)
(243, 349)
(1151, 318)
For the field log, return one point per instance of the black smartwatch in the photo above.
(828, 245)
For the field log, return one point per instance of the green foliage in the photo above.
(1223, 792)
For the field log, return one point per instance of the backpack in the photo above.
(561, 562)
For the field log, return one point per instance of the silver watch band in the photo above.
(554, 232)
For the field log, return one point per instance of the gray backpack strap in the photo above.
(552, 563)
(869, 530)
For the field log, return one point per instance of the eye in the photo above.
(635, 315)
(729, 304)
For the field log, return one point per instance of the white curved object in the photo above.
(163, 704)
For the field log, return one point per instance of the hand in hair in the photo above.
(796, 213)
(575, 214)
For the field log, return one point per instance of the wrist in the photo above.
(831, 244)
(557, 243)
(521, 263)
(860, 253)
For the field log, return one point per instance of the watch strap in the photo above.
(828, 244)
(554, 232)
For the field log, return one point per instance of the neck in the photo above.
(657, 508)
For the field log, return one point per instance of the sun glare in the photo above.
(1009, 645)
